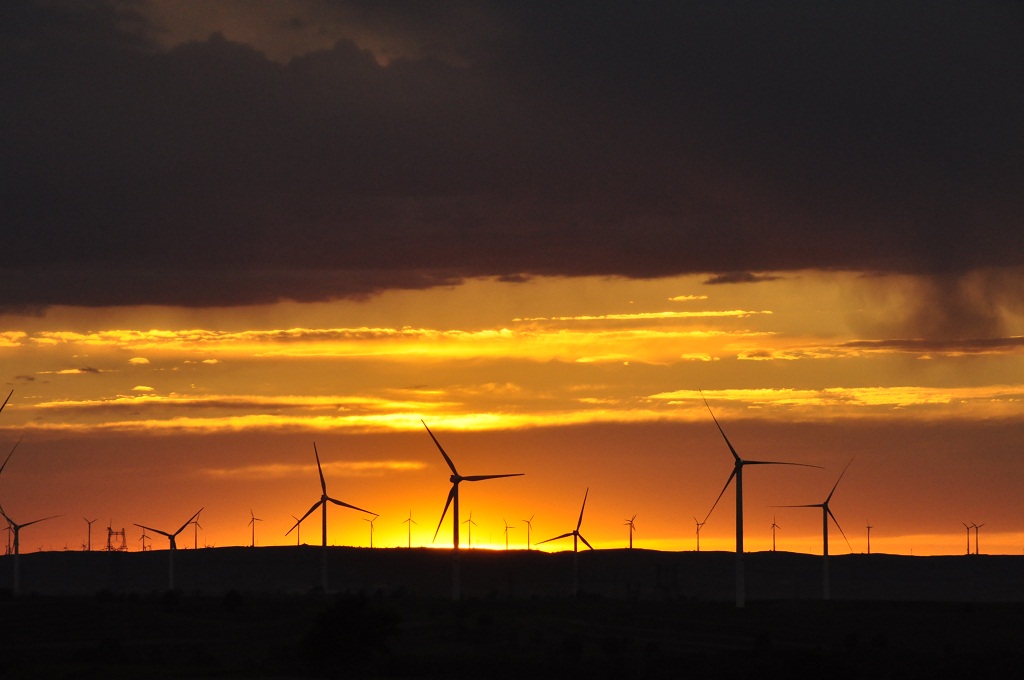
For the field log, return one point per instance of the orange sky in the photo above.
(144, 415)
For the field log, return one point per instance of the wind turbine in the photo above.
(252, 522)
(529, 526)
(322, 503)
(737, 473)
(976, 527)
(576, 537)
(89, 533)
(507, 527)
(409, 522)
(869, 538)
(632, 528)
(968, 527)
(196, 526)
(371, 521)
(699, 525)
(826, 513)
(142, 539)
(173, 545)
(469, 529)
(16, 530)
(453, 500)
(298, 531)
(774, 527)
(6, 400)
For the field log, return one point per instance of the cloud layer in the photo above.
(432, 144)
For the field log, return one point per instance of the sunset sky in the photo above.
(232, 229)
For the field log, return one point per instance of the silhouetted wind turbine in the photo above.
(529, 526)
(826, 513)
(869, 538)
(409, 522)
(16, 530)
(699, 525)
(252, 522)
(469, 529)
(507, 527)
(89, 534)
(968, 527)
(298, 531)
(576, 537)
(976, 527)
(173, 545)
(196, 526)
(737, 473)
(143, 540)
(632, 528)
(453, 500)
(774, 527)
(371, 521)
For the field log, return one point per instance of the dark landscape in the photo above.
(244, 612)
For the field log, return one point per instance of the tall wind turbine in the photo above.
(371, 521)
(409, 522)
(976, 527)
(507, 527)
(699, 526)
(968, 527)
(869, 537)
(529, 526)
(16, 531)
(252, 522)
(196, 526)
(774, 527)
(632, 528)
(826, 513)
(89, 533)
(737, 473)
(453, 500)
(322, 503)
(173, 545)
(576, 537)
(142, 539)
(469, 530)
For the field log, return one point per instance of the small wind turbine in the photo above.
(16, 531)
(371, 521)
(89, 533)
(298, 531)
(173, 545)
(774, 527)
(699, 526)
(142, 539)
(453, 500)
(507, 527)
(252, 522)
(409, 522)
(576, 537)
(976, 527)
(826, 513)
(737, 473)
(196, 526)
(529, 526)
(469, 529)
(869, 537)
(632, 528)
(968, 527)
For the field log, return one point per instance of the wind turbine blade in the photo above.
(808, 505)
(323, 484)
(346, 505)
(778, 462)
(585, 542)
(829, 511)
(480, 478)
(837, 482)
(162, 533)
(188, 522)
(451, 495)
(727, 442)
(6, 400)
(36, 521)
(11, 453)
(308, 513)
(720, 494)
(546, 540)
(580, 522)
(441, 449)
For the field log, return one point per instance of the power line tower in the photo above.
(116, 541)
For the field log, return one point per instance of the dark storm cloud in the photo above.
(579, 139)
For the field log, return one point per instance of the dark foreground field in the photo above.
(241, 613)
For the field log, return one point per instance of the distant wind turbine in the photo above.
(576, 537)
(173, 545)
(774, 527)
(529, 526)
(469, 530)
(252, 522)
(968, 527)
(196, 526)
(507, 527)
(632, 527)
(89, 534)
(142, 539)
(298, 531)
(869, 537)
(371, 521)
(826, 513)
(699, 525)
(409, 522)
(453, 500)
(16, 531)
(976, 527)
(737, 473)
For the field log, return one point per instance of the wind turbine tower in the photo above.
(453, 500)
(632, 527)
(371, 521)
(409, 522)
(252, 522)
(774, 527)
(737, 474)
(88, 545)
(976, 527)
(529, 526)
(699, 525)
(869, 537)
(469, 529)
(968, 527)
(173, 545)
(507, 527)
